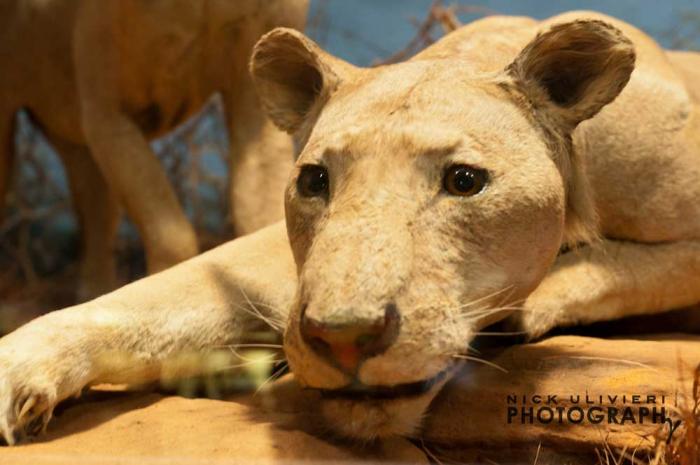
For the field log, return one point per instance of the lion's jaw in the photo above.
(369, 419)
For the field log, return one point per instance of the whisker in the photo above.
(266, 305)
(473, 349)
(247, 346)
(243, 357)
(232, 348)
(256, 309)
(480, 360)
(511, 305)
(255, 346)
(253, 310)
(475, 301)
(604, 359)
(490, 311)
(500, 333)
(274, 376)
(256, 313)
(251, 362)
(429, 453)
(486, 297)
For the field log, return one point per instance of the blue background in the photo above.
(360, 30)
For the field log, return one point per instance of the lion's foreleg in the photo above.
(612, 280)
(134, 334)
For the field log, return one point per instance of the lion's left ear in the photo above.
(568, 74)
(574, 69)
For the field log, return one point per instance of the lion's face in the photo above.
(433, 202)
(425, 202)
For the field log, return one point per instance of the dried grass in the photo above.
(683, 448)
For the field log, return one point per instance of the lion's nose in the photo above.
(348, 345)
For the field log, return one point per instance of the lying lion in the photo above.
(546, 170)
(102, 78)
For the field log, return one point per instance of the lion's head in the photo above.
(427, 198)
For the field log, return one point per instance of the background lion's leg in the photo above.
(612, 280)
(118, 144)
(261, 158)
(139, 333)
(98, 216)
(142, 186)
(7, 150)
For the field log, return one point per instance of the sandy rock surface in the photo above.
(473, 420)
(110, 428)
(467, 422)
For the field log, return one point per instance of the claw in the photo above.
(6, 433)
(22, 433)
(34, 427)
(26, 408)
(46, 418)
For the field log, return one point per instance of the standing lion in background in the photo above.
(102, 78)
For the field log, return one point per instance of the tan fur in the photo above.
(386, 232)
(103, 78)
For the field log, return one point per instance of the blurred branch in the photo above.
(319, 22)
(440, 17)
(685, 33)
(439, 20)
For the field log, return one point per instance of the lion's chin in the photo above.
(374, 413)
(372, 419)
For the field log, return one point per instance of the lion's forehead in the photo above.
(420, 107)
(430, 84)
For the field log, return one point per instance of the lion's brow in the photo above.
(417, 143)
(432, 143)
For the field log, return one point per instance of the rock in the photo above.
(468, 422)
(132, 428)
(470, 416)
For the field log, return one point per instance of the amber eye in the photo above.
(464, 180)
(312, 181)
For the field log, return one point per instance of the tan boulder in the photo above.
(115, 428)
(467, 422)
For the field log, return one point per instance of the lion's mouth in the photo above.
(359, 391)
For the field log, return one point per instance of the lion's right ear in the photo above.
(293, 76)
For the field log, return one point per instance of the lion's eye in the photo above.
(464, 180)
(312, 181)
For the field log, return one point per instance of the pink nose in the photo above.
(347, 346)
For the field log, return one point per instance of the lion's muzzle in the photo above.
(348, 344)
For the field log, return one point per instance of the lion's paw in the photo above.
(535, 323)
(26, 404)
(539, 314)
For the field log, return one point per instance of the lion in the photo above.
(102, 79)
(543, 171)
